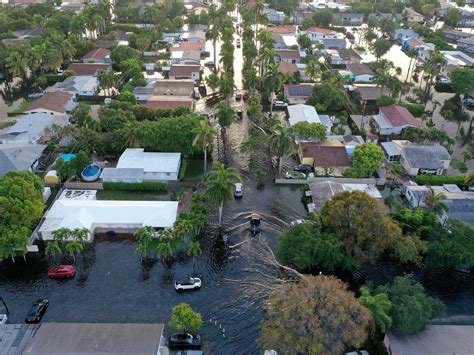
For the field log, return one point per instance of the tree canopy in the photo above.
(316, 316)
(412, 310)
(21, 206)
(366, 159)
(306, 130)
(184, 319)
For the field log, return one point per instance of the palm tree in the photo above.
(17, 64)
(204, 138)
(282, 143)
(213, 81)
(225, 116)
(273, 81)
(226, 86)
(379, 305)
(434, 201)
(74, 247)
(53, 248)
(107, 80)
(131, 133)
(227, 56)
(214, 36)
(220, 185)
(313, 70)
(144, 236)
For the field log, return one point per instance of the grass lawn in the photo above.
(121, 195)
(6, 124)
(23, 107)
(194, 170)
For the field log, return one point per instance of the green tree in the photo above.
(412, 310)
(329, 96)
(452, 17)
(380, 46)
(184, 319)
(205, 135)
(434, 201)
(304, 41)
(306, 130)
(366, 159)
(107, 80)
(281, 143)
(220, 185)
(225, 116)
(463, 80)
(360, 223)
(120, 54)
(226, 86)
(17, 64)
(379, 305)
(306, 247)
(254, 105)
(316, 316)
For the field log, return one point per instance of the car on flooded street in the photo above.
(238, 193)
(184, 341)
(37, 311)
(297, 222)
(295, 175)
(192, 283)
(62, 271)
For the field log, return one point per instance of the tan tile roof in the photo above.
(189, 46)
(99, 53)
(288, 53)
(167, 102)
(52, 101)
(183, 70)
(174, 87)
(88, 68)
(282, 29)
(330, 154)
(399, 116)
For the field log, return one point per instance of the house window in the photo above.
(168, 174)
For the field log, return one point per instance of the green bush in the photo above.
(415, 109)
(144, 186)
(445, 87)
(182, 169)
(52, 79)
(433, 180)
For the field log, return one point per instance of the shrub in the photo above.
(415, 109)
(144, 186)
(182, 170)
(433, 180)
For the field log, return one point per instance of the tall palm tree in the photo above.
(144, 236)
(226, 86)
(227, 56)
(74, 247)
(220, 185)
(313, 69)
(204, 138)
(434, 201)
(225, 116)
(107, 80)
(214, 36)
(273, 81)
(282, 143)
(53, 248)
(17, 64)
(213, 81)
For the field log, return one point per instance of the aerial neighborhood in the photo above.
(237, 177)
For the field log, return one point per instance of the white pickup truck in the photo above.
(193, 283)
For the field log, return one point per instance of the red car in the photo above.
(62, 271)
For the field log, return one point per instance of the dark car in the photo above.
(202, 89)
(239, 114)
(469, 103)
(37, 311)
(184, 341)
(304, 168)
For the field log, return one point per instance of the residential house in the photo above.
(455, 35)
(322, 192)
(348, 19)
(19, 157)
(384, 16)
(178, 88)
(349, 141)
(317, 34)
(392, 152)
(170, 38)
(423, 158)
(328, 158)
(284, 30)
(81, 209)
(413, 17)
(333, 56)
(284, 41)
(349, 56)
(275, 16)
(30, 129)
(182, 71)
(89, 69)
(334, 43)
(185, 57)
(306, 113)
(467, 19)
(361, 73)
(367, 95)
(297, 93)
(195, 36)
(292, 69)
(188, 47)
(106, 44)
(455, 59)
(435, 339)
(24, 34)
(99, 55)
(156, 166)
(287, 56)
(466, 45)
(392, 119)
(143, 93)
(401, 34)
(86, 85)
(169, 102)
(122, 175)
(57, 103)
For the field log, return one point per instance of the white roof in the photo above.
(289, 40)
(391, 148)
(124, 173)
(89, 214)
(150, 162)
(457, 58)
(369, 189)
(300, 113)
(76, 84)
(29, 128)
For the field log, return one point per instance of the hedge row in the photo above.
(439, 180)
(415, 109)
(144, 186)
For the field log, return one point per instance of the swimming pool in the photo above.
(66, 157)
(91, 172)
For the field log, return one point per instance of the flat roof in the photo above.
(96, 338)
(300, 113)
(122, 173)
(15, 337)
(137, 158)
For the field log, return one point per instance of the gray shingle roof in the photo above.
(18, 156)
(122, 173)
(462, 209)
(425, 156)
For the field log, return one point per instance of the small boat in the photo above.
(238, 193)
(255, 220)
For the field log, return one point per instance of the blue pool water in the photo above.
(66, 157)
(90, 170)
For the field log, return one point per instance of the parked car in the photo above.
(62, 271)
(190, 352)
(240, 113)
(295, 175)
(297, 221)
(238, 96)
(197, 94)
(202, 89)
(444, 80)
(468, 103)
(280, 104)
(238, 42)
(184, 341)
(37, 311)
(209, 64)
(205, 54)
(304, 168)
(255, 221)
(193, 283)
(238, 193)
